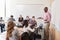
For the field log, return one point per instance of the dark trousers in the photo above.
(2, 26)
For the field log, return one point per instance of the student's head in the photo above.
(27, 18)
(11, 16)
(10, 28)
(33, 17)
(1, 18)
(46, 9)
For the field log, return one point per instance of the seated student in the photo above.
(2, 24)
(22, 32)
(26, 21)
(33, 25)
(12, 34)
(20, 19)
(20, 23)
(32, 34)
(11, 18)
(33, 22)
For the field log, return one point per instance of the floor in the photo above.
(57, 35)
(2, 36)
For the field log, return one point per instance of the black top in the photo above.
(25, 23)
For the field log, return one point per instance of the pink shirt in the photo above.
(47, 17)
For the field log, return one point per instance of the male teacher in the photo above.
(47, 19)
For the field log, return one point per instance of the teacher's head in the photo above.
(46, 9)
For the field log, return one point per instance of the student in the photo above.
(19, 27)
(20, 24)
(22, 32)
(32, 25)
(11, 18)
(33, 22)
(12, 34)
(47, 19)
(32, 33)
(2, 24)
(20, 19)
(26, 21)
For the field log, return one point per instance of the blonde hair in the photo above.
(10, 28)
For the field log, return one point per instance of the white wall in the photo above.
(2, 2)
(56, 14)
(25, 7)
(30, 10)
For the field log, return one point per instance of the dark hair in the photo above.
(1, 17)
(46, 9)
(11, 16)
(25, 36)
(20, 19)
(27, 16)
(33, 16)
